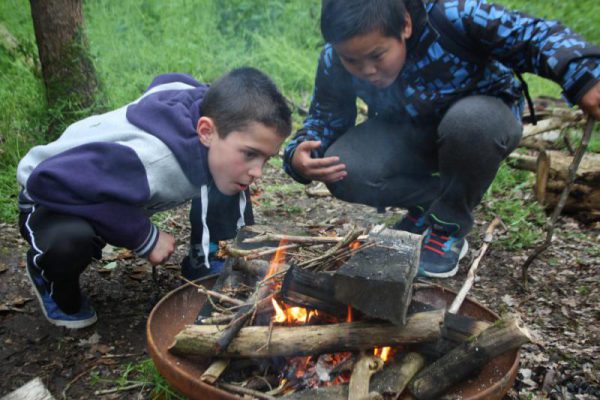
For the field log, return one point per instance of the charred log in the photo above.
(470, 356)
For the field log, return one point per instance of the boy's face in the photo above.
(374, 57)
(238, 159)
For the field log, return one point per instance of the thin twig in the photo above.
(210, 293)
(87, 371)
(243, 390)
(299, 239)
(121, 389)
(585, 139)
(256, 253)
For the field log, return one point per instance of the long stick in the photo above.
(462, 294)
(585, 139)
(217, 295)
(299, 239)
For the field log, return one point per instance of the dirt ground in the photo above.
(562, 306)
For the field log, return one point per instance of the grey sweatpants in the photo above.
(443, 170)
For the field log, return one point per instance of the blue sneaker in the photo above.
(192, 265)
(412, 224)
(85, 317)
(192, 269)
(441, 253)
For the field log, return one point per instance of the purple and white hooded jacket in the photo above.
(117, 169)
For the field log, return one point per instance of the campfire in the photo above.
(333, 317)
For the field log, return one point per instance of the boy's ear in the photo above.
(407, 32)
(205, 130)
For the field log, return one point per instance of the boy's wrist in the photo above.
(146, 247)
(289, 169)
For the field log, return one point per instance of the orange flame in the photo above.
(278, 259)
(279, 313)
(354, 245)
(349, 317)
(291, 315)
(382, 352)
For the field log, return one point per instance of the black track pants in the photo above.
(442, 169)
(62, 246)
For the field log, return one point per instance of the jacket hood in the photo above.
(418, 13)
(171, 114)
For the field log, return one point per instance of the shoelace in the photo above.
(418, 222)
(438, 243)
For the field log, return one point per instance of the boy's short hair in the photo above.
(243, 96)
(344, 19)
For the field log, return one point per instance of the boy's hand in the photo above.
(590, 102)
(327, 170)
(165, 246)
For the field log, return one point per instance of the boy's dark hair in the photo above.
(243, 96)
(344, 19)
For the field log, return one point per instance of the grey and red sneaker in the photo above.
(412, 223)
(441, 253)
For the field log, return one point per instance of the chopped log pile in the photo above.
(322, 321)
(547, 150)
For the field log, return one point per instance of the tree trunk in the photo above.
(68, 71)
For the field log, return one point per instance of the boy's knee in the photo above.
(69, 254)
(481, 122)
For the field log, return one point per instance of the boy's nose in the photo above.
(369, 70)
(255, 172)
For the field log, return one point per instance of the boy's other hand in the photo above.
(327, 169)
(165, 246)
(590, 102)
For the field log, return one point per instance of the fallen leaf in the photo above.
(110, 266)
(508, 300)
(92, 340)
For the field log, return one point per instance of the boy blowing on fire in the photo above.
(107, 174)
(444, 107)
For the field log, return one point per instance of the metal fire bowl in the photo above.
(181, 306)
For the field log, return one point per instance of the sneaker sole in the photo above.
(452, 272)
(67, 324)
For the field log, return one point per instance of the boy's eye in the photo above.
(249, 155)
(377, 56)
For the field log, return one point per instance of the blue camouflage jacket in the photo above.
(433, 78)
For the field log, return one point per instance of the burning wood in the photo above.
(297, 310)
(202, 340)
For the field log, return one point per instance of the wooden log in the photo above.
(257, 268)
(364, 368)
(393, 379)
(214, 370)
(435, 379)
(312, 290)
(32, 390)
(378, 280)
(542, 173)
(584, 196)
(252, 341)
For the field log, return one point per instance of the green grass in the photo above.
(145, 374)
(505, 198)
(133, 41)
